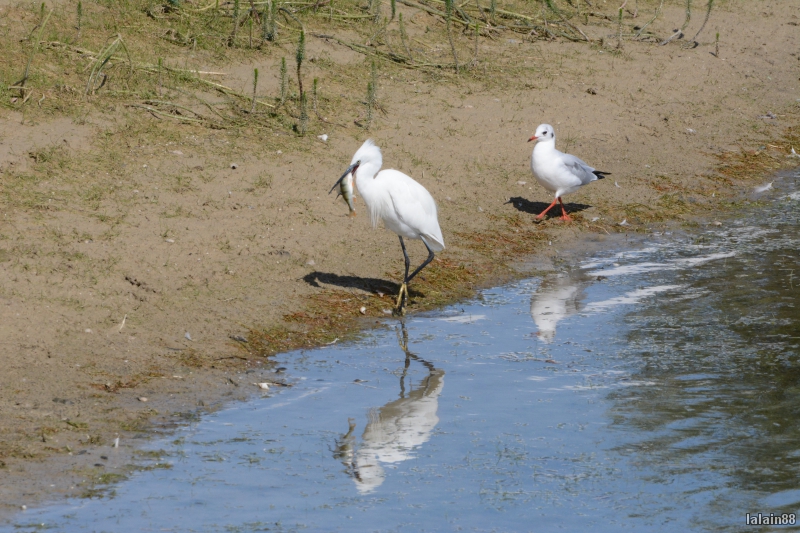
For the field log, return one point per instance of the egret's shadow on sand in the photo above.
(349, 282)
(534, 208)
(370, 285)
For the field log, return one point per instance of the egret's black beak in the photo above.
(351, 168)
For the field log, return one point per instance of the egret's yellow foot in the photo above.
(400, 307)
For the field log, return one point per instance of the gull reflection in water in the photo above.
(558, 297)
(394, 430)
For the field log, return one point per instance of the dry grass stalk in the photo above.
(403, 61)
(404, 36)
(480, 11)
(302, 126)
(300, 55)
(709, 6)
(79, 18)
(102, 59)
(477, 37)
(255, 88)
(677, 35)
(42, 23)
(289, 15)
(565, 21)
(269, 31)
(284, 81)
(372, 94)
(448, 18)
(160, 72)
(655, 16)
(161, 114)
(370, 100)
(373, 76)
(232, 38)
(688, 14)
(314, 96)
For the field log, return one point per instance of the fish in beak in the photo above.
(352, 168)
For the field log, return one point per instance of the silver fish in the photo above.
(346, 191)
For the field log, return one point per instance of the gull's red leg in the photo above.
(540, 215)
(564, 215)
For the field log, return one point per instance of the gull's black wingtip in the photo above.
(600, 174)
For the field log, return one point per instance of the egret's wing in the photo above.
(579, 168)
(415, 207)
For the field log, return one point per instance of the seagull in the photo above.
(405, 207)
(558, 297)
(556, 171)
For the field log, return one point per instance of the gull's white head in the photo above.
(544, 132)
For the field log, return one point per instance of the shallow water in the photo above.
(653, 388)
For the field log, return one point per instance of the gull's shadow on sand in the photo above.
(371, 285)
(534, 208)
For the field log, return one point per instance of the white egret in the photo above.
(396, 430)
(405, 207)
(556, 171)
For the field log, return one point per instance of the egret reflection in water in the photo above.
(683, 417)
(558, 297)
(395, 430)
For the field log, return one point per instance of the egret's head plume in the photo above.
(368, 154)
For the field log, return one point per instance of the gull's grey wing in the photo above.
(583, 171)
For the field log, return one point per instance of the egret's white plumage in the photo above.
(405, 206)
(556, 171)
(395, 430)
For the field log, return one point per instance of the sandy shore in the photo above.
(148, 268)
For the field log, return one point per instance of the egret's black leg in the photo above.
(403, 294)
(423, 265)
(408, 261)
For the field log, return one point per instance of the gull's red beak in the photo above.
(533, 138)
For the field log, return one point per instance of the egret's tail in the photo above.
(434, 242)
